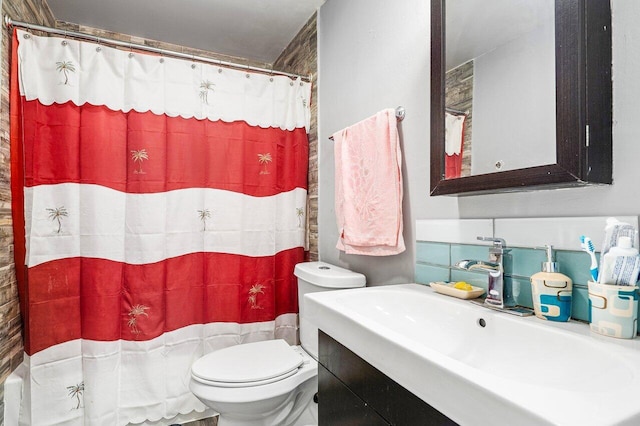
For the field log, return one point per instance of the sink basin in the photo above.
(479, 366)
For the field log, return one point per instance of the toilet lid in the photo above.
(249, 364)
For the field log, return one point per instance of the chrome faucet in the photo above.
(499, 293)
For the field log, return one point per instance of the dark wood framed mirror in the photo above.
(583, 101)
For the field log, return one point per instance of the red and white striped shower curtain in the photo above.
(159, 211)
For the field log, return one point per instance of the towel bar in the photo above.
(400, 113)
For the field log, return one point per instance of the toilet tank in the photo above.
(320, 276)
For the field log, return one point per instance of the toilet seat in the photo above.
(246, 365)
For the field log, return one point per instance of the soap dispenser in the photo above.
(551, 291)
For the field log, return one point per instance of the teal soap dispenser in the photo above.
(551, 291)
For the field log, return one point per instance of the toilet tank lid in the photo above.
(330, 276)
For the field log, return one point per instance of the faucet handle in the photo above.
(499, 243)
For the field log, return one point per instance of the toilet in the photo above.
(271, 383)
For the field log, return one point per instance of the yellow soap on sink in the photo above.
(462, 285)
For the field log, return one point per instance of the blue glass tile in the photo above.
(580, 307)
(426, 273)
(520, 264)
(526, 262)
(521, 291)
(467, 251)
(576, 265)
(432, 253)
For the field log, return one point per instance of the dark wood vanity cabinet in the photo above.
(338, 405)
(352, 392)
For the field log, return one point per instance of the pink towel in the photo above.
(369, 186)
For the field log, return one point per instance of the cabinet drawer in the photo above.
(391, 401)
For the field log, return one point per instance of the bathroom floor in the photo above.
(211, 421)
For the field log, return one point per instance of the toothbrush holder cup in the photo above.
(613, 310)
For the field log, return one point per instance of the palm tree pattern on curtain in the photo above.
(75, 391)
(56, 215)
(65, 67)
(138, 156)
(300, 214)
(205, 87)
(134, 313)
(254, 291)
(204, 215)
(128, 278)
(264, 160)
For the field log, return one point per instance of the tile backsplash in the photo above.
(442, 243)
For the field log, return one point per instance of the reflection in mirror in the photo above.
(500, 105)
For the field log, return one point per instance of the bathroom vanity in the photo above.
(351, 391)
(388, 351)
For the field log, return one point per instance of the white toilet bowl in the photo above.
(271, 383)
(258, 384)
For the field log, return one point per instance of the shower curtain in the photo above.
(159, 210)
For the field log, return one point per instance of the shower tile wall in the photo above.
(301, 57)
(11, 350)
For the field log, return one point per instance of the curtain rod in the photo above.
(456, 111)
(8, 22)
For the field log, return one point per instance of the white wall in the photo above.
(375, 54)
(514, 104)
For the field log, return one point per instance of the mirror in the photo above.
(499, 78)
(512, 107)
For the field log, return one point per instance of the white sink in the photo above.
(482, 367)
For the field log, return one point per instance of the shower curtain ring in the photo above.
(64, 42)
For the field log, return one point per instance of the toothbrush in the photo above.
(587, 246)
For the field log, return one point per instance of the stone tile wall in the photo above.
(301, 57)
(11, 349)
